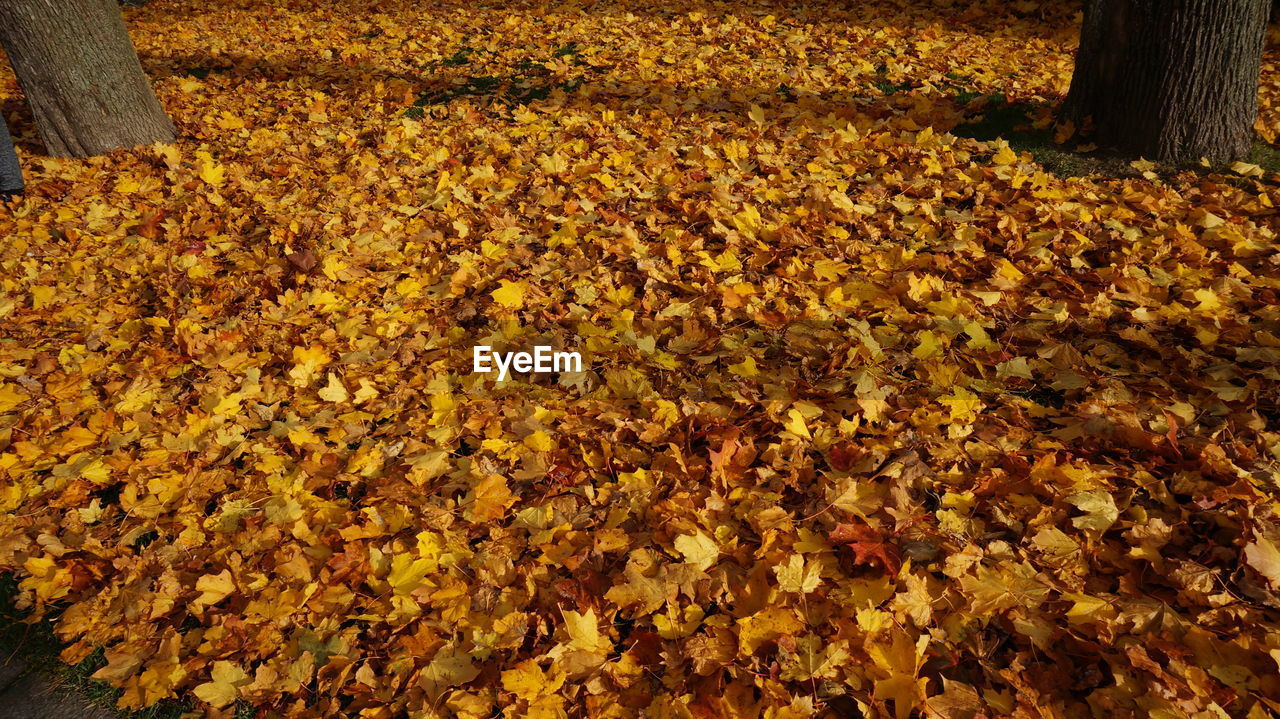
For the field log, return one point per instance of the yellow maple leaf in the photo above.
(796, 425)
(490, 499)
(228, 121)
(450, 667)
(1263, 555)
(676, 624)
(1099, 508)
(228, 405)
(335, 391)
(1016, 367)
(122, 663)
(227, 678)
(930, 346)
(214, 588)
(210, 171)
(964, 405)
(510, 294)
(96, 471)
(642, 587)
(11, 396)
(1088, 608)
(42, 296)
(428, 466)
(698, 549)
(745, 368)
(766, 625)
(584, 631)
(1004, 156)
(307, 361)
(407, 573)
(1247, 169)
(367, 391)
(527, 680)
(900, 658)
(539, 441)
(797, 576)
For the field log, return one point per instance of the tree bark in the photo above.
(10, 170)
(1171, 80)
(81, 76)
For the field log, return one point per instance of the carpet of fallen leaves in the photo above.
(876, 420)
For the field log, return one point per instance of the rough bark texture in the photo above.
(81, 76)
(10, 170)
(1173, 80)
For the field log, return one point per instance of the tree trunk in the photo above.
(1171, 80)
(10, 170)
(81, 76)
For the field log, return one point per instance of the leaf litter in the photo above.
(874, 419)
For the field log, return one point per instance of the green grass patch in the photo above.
(963, 97)
(890, 88)
(459, 58)
(1014, 123)
(36, 646)
(528, 81)
(1266, 156)
(200, 72)
(567, 50)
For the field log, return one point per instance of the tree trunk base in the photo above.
(1170, 80)
(81, 76)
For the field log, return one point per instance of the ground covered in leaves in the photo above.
(876, 420)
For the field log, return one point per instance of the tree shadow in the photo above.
(993, 18)
(436, 85)
(431, 90)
